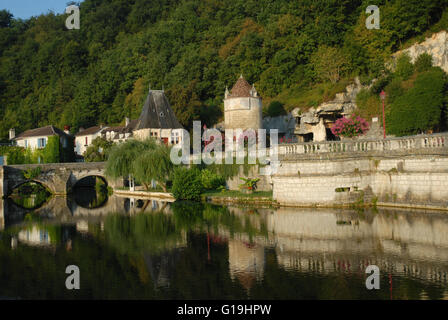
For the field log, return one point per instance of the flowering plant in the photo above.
(350, 127)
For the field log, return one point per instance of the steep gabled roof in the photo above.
(41, 132)
(157, 113)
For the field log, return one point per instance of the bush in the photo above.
(423, 62)
(350, 127)
(210, 180)
(187, 184)
(404, 68)
(420, 108)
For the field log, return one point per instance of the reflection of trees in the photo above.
(152, 232)
(192, 215)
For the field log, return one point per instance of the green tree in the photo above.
(421, 108)
(120, 163)
(154, 165)
(98, 151)
(52, 151)
(404, 68)
(329, 63)
(187, 184)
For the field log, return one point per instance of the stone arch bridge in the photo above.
(60, 178)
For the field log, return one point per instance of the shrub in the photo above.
(404, 68)
(210, 180)
(350, 127)
(420, 108)
(187, 184)
(423, 62)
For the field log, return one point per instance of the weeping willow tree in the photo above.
(155, 165)
(120, 163)
(143, 161)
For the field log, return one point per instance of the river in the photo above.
(148, 249)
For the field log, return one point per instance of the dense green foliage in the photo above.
(416, 98)
(194, 48)
(143, 161)
(187, 184)
(98, 151)
(211, 180)
(120, 163)
(51, 151)
(154, 165)
(422, 107)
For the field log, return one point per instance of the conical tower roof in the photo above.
(157, 113)
(242, 88)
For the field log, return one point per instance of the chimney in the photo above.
(67, 129)
(12, 133)
(126, 122)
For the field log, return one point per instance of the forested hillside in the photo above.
(194, 49)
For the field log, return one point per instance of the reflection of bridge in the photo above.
(60, 178)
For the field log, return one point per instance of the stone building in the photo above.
(242, 107)
(158, 120)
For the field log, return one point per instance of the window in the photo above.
(26, 143)
(87, 142)
(175, 138)
(41, 143)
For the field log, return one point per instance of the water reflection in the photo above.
(157, 250)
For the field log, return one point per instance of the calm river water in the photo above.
(140, 249)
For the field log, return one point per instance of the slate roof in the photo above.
(89, 131)
(157, 113)
(39, 132)
(242, 88)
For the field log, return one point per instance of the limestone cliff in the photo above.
(436, 45)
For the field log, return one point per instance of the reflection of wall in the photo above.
(246, 262)
(35, 236)
(327, 240)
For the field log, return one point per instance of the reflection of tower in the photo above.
(242, 107)
(246, 262)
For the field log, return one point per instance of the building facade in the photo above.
(243, 107)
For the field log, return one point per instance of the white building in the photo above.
(85, 137)
(38, 138)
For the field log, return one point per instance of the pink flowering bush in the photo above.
(350, 127)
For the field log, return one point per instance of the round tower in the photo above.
(242, 107)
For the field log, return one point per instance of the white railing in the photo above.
(434, 141)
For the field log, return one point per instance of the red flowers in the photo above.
(350, 127)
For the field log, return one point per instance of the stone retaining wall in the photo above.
(421, 180)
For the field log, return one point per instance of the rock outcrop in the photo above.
(314, 123)
(436, 45)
